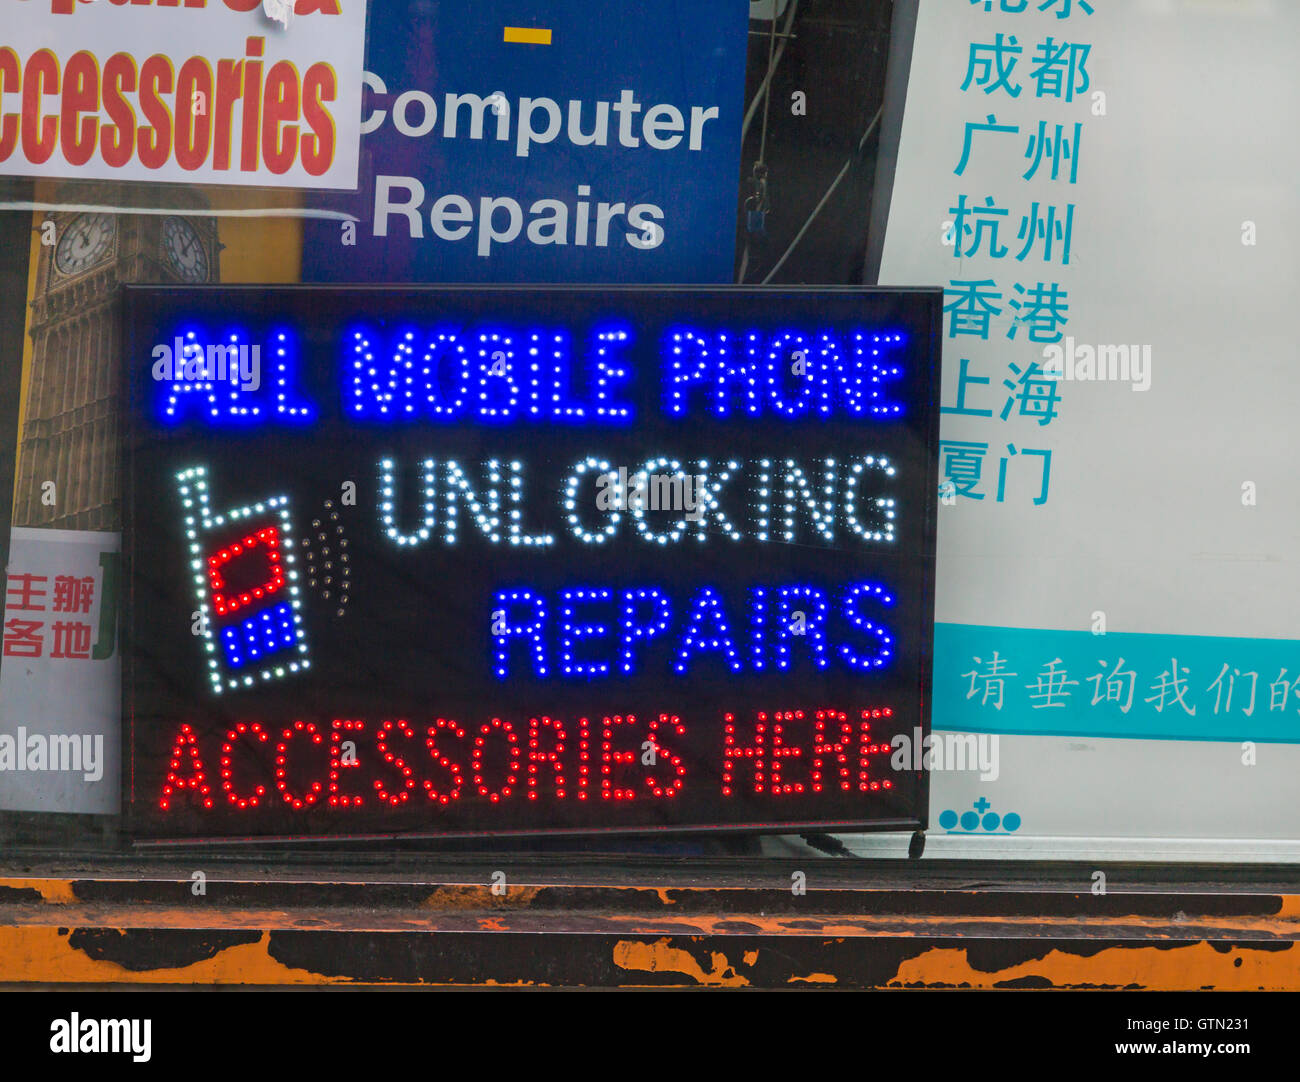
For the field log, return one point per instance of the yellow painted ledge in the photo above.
(45, 955)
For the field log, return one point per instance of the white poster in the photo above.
(1106, 192)
(60, 677)
(241, 92)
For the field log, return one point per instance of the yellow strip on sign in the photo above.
(527, 35)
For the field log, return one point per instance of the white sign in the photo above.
(197, 91)
(60, 678)
(1101, 189)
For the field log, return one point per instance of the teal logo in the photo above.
(979, 821)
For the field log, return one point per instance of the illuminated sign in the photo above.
(503, 561)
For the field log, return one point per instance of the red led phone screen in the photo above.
(473, 561)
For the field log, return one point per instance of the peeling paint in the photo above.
(478, 895)
(1185, 967)
(1290, 906)
(659, 957)
(609, 934)
(45, 954)
(145, 949)
(108, 955)
(53, 891)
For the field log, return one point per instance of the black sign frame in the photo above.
(323, 316)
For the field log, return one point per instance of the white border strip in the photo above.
(956, 847)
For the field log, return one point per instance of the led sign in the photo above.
(506, 561)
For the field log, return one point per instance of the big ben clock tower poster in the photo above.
(69, 424)
(59, 671)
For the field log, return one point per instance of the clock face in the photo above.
(85, 242)
(184, 250)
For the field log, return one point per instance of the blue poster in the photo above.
(531, 141)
